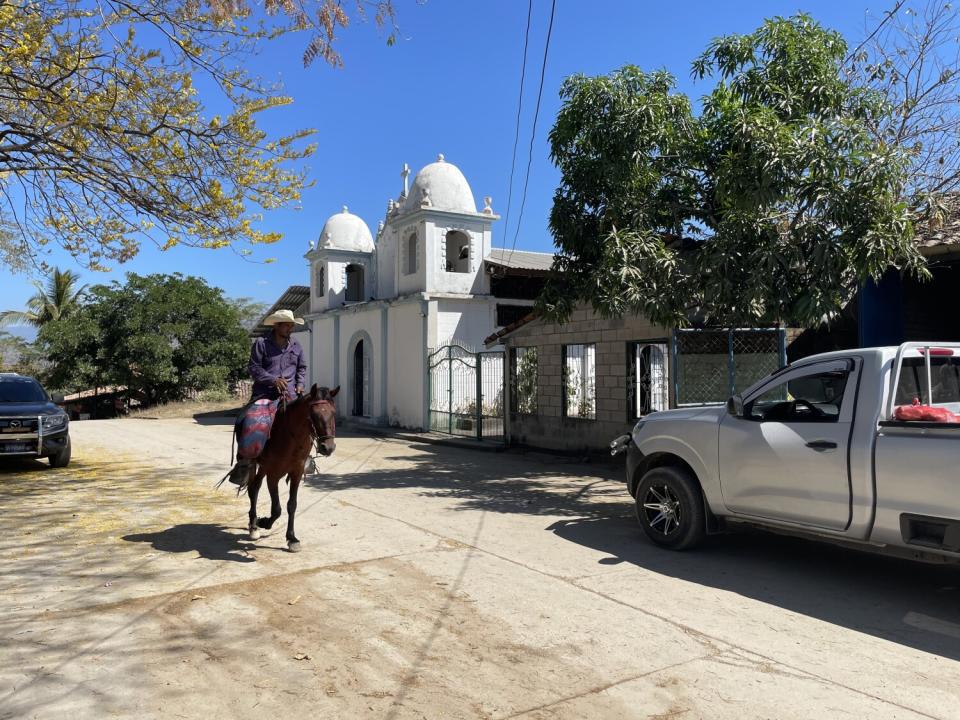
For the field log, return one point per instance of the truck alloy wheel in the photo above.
(670, 508)
(662, 510)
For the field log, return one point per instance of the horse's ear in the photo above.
(333, 393)
(314, 392)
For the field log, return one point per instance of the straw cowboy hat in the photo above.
(282, 316)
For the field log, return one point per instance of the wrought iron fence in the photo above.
(711, 365)
(466, 392)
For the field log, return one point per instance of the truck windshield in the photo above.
(944, 376)
(21, 389)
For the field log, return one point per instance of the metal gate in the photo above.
(466, 392)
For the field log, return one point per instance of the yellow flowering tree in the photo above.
(105, 142)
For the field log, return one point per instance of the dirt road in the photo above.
(433, 583)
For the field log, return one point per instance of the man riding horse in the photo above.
(278, 371)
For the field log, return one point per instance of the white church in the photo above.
(429, 278)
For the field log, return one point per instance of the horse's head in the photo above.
(323, 418)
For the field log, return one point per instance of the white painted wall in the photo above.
(416, 281)
(406, 387)
(322, 369)
(351, 324)
(386, 257)
(479, 232)
(469, 321)
(334, 263)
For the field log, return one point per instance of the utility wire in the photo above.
(533, 133)
(516, 136)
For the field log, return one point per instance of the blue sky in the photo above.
(450, 86)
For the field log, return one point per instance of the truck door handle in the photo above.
(822, 445)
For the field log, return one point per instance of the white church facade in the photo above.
(429, 278)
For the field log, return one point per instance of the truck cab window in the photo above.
(809, 398)
(945, 377)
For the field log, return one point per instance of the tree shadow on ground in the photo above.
(909, 603)
(20, 465)
(210, 540)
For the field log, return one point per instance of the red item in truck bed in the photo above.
(924, 413)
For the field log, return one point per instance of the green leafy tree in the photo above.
(107, 143)
(771, 205)
(161, 336)
(73, 351)
(58, 299)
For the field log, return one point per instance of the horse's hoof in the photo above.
(254, 533)
(293, 547)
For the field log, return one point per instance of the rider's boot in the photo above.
(240, 472)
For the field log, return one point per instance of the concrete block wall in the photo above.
(548, 428)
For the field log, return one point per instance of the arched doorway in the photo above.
(361, 379)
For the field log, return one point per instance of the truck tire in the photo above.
(670, 508)
(62, 458)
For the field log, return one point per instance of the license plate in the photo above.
(16, 447)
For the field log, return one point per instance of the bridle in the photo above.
(332, 425)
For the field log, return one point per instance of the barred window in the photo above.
(648, 387)
(523, 380)
(580, 381)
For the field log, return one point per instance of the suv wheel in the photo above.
(62, 458)
(670, 508)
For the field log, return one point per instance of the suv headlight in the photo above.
(54, 422)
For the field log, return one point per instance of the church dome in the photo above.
(346, 231)
(440, 185)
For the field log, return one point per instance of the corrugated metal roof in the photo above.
(949, 234)
(520, 259)
(296, 299)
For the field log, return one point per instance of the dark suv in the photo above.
(31, 424)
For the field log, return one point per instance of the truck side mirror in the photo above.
(57, 398)
(735, 406)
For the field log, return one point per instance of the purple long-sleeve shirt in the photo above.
(269, 362)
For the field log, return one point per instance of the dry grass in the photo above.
(187, 409)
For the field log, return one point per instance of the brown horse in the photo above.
(307, 420)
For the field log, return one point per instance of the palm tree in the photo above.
(58, 299)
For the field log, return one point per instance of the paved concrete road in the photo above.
(433, 583)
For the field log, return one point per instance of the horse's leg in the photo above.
(292, 543)
(273, 485)
(253, 489)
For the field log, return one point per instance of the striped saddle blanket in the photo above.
(254, 429)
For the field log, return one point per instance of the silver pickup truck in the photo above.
(814, 449)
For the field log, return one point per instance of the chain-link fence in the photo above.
(712, 365)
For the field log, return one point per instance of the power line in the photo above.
(516, 137)
(533, 132)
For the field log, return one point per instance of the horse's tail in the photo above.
(242, 486)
